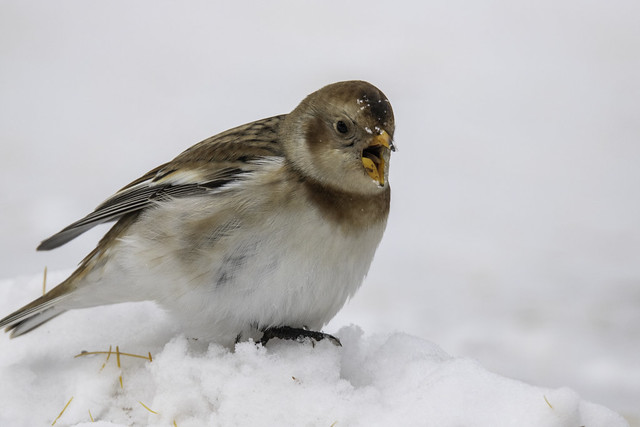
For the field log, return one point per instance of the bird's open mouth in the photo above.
(373, 157)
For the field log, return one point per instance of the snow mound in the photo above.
(392, 379)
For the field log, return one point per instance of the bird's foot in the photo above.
(297, 334)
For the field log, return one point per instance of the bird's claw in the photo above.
(297, 334)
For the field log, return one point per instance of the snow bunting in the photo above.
(261, 231)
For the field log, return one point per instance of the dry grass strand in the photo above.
(62, 412)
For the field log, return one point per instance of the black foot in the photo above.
(297, 334)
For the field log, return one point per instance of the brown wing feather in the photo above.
(215, 162)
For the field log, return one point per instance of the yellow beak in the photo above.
(372, 158)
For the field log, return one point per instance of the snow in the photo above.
(377, 379)
(513, 238)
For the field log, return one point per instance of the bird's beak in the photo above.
(373, 156)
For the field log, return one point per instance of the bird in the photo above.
(262, 231)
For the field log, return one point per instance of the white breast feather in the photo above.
(291, 267)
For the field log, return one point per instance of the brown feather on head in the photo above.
(341, 136)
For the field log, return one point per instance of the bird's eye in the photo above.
(342, 127)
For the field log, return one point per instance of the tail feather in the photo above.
(57, 301)
(30, 323)
(32, 315)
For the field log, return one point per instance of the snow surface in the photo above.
(513, 238)
(380, 379)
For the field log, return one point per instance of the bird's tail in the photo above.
(34, 314)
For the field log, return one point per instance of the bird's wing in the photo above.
(205, 168)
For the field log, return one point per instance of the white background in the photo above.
(514, 236)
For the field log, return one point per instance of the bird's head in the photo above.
(342, 137)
